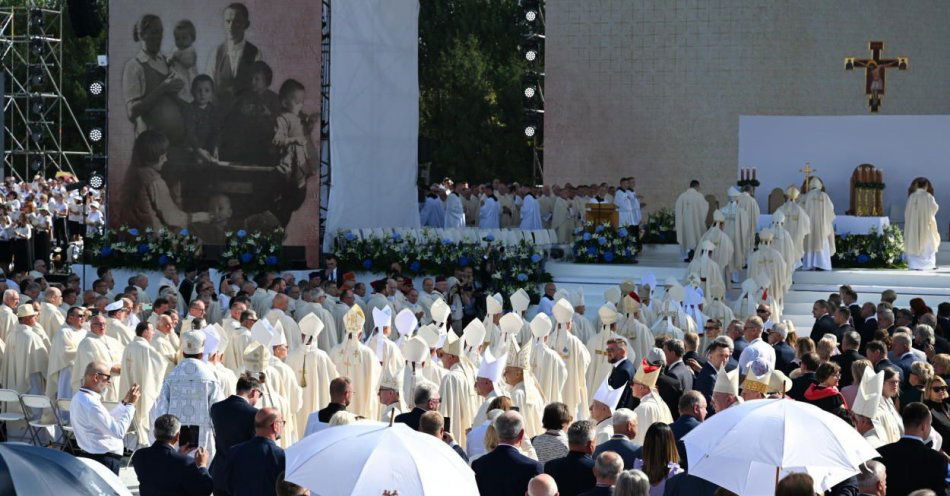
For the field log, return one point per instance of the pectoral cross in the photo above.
(875, 67)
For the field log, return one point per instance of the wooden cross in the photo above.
(874, 71)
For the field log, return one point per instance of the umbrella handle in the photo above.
(392, 416)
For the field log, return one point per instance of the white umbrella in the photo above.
(368, 458)
(748, 447)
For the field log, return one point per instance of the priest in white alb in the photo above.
(97, 347)
(115, 323)
(583, 328)
(652, 408)
(722, 254)
(576, 359)
(599, 368)
(546, 365)
(530, 211)
(357, 362)
(820, 240)
(797, 222)
(314, 368)
(457, 389)
(740, 227)
(143, 365)
(454, 211)
(562, 220)
(921, 236)
(280, 308)
(705, 268)
(62, 355)
(26, 358)
(8, 320)
(784, 243)
(51, 317)
(690, 214)
(767, 260)
(284, 380)
(489, 214)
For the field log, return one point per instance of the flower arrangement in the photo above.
(603, 244)
(253, 250)
(504, 268)
(660, 227)
(884, 250)
(142, 248)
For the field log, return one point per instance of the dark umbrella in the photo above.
(29, 470)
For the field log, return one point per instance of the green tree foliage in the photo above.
(470, 71)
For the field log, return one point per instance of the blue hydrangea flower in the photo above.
(463, 261)
(602, 241)
(522, 276)
(609, 256)
(863, 259)
(591, 251)
(134, 231)
(271, 260)
(627, 252)
(490, 238)
(586, 236)
(367, 264)
(536, 258)
(184, 232)
(599, 229)
(349, 236)
(246, 257)
(414, 266)
(105, 251)
(622, 232)
(162, 260)
(446, 241)
(397, 237)
(143, 248)
(241, 233)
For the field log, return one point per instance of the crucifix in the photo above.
(874, 69)
(807, 170)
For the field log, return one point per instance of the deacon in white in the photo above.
(115, 323)
(8, 320)
(583, 328)
(523, 390)
(189, 391)
(722, 251)
(488, 383)
(489, 215)
(599, 368)
(26, 358)
(820, 240)
(651, 408)
(726, 390)
(314, 367)
(284, 380)
(921, 236)
(457, 388)
(530, 211)
(97, 347)
(602, 409)
(690, 214)
(768, 261)
(454, 211)
(783, 243)
(576, 358)
(354, 360)
(279, 313)
(705, 268)
(51, 317)
(546, 365)
(867, 405)
(143, 365)
(632, 328)
(797, 222)
(62, 356)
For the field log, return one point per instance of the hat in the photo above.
(353, 320)
(732, 192)
(430, 334)
(766, 235)
(474, 333)
(519, 359)
(608, 395)
(718, 216)
(311, 325)
(749, 285)
(814, 183)
(656, 356)
(779, 382)
(577, 298)
(491, 368)
(693, 296)
(612, 295)
(676, 293)
(256, 357)
(212, 340)
(519, 300)
(648, 280)
(869, 393)
(415, 349)
(493, 304)
(26, 310)
(708, 245)
(439, 311)
(630, 305)
(453, 344)
(647, 374)
(510, 323)
(391, 379)
(540, 325)
(382, 317)
(727, 382)
(192, 342)
(778, 217)
(792, 193)
(628, 286)
(406, 322)
(262, 332)
(279, 338)
(607, 313)
(114, 306)
(563, 311)
(759, 384)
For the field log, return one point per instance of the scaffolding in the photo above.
(35, 113)
(325, 178)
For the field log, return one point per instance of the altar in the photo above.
(844, 224)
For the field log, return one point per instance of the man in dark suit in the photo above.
(692, 410)
(574, 473)
(254, 466)
(233, 421)
(718, 352)
(433, 423)
(911, 464)
(876, 352)
(504, 471)
(867, 326)
(607, 468)
(623, 370)
(943, 319)
(332, 272)
(162, 470)
(849, 354)
(800, 384)
(842, 319)
(900, 346)
(784, 353)
(667, 385)
(674, 349)
(625, 428)
(341, 392)
(824, 323)
(426, 398)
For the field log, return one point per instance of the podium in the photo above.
(599, 213)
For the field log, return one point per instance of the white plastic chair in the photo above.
(36, 405)
(62, 405)
(14, 409)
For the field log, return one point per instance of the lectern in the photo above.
(599, 213)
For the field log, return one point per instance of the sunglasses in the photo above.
(107, 377)
(940, 389)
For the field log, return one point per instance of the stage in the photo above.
(663, 261)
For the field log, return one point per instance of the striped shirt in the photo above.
(550, 445)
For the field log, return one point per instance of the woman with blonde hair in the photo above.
(802, 347)
(935, 397)
(660, 459)
(920, 374)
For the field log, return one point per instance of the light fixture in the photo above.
(97, 180)
(530, 130)
(38, 46)
(531, 15)
(96, 134)
(529, 92)
(37, 75)
(96, 88)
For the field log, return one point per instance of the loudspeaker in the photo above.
(85, 17)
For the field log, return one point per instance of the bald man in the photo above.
(542, 485)
(280, 312)
(254, 466)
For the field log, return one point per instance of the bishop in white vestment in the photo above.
(599, 368)
(97, 347)
(820, 240)
(357, 362)
(576, 359)
(546, 364)
(143, 365)
(314, 368)
(690, 214)
(921, 236)
(457, 389)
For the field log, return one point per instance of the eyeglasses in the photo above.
(709, 328)
(761, 310)
(940, 389)
(107, 377)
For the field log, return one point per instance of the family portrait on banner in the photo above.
(216, 120)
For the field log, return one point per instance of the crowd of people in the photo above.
(234, 372)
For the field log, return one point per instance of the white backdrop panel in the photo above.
(902, 146)
(374, 115)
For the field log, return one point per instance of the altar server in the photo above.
(489, 215)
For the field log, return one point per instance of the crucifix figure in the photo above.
(874, 69)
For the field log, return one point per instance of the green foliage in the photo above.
(660, 227)
(603, 244)
(873, 250)
(470, 70)
(142, 249)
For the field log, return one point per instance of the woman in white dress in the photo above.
(921, 237)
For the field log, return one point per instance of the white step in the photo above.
(876, 277)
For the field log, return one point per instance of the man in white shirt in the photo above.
(757, 348)
(99, 432)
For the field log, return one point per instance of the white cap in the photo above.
(114, 306)
(493, 304)
(612, 295)
(193, 342)
(869, 393)
(540, 325)
(415, 350)
(439, 311)
(510, 323)
(474, 333)
(732, 192)
(519, 300)
(608, 395)
(256, 357)
(430, 334)
(279, 339)
(311, 325)
(391, 379)
(563, 311)
(676, 293)
(491, 368)
(382, 317)
(406, 322)
(212, 341)
(577, 298)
